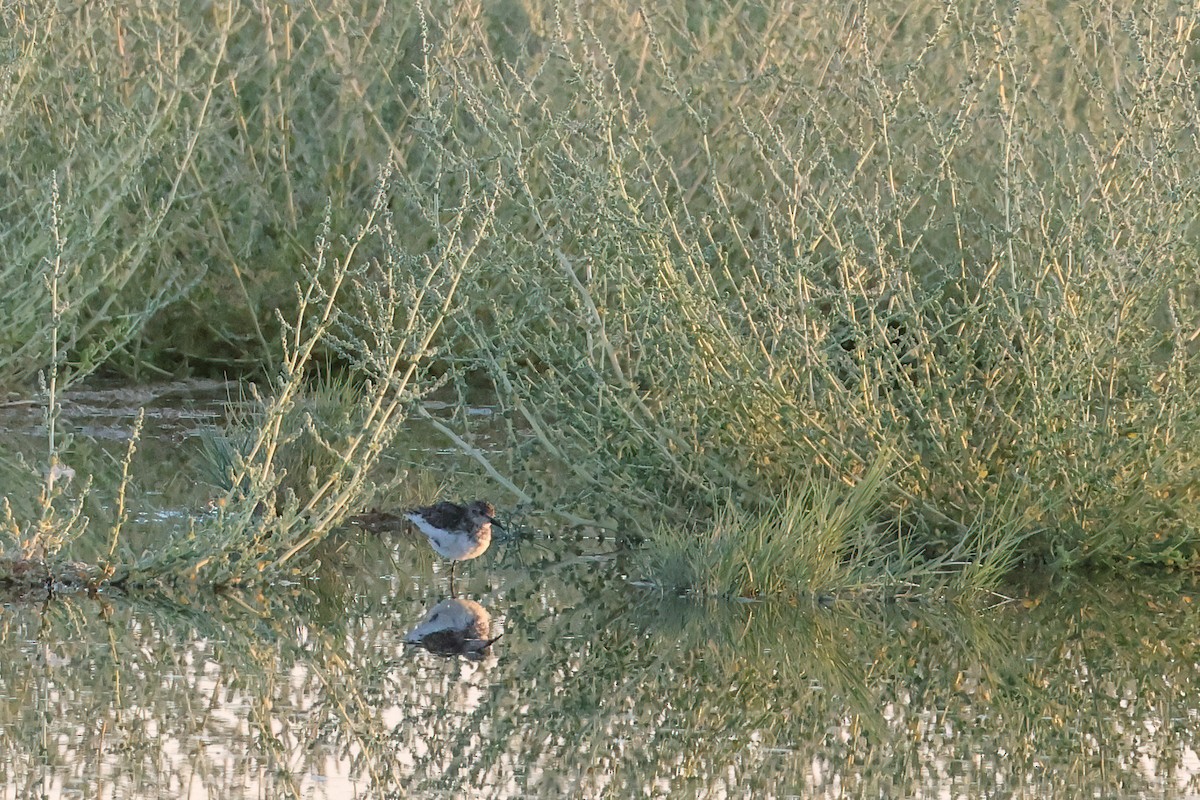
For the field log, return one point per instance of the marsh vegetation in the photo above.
(932, 270)
(834, 367)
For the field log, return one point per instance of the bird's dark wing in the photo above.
(444, 515)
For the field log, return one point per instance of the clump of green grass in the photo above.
(327, 408)
(822, 538)
(808, 542)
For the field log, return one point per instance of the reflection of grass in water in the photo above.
(717, 255)
(257, 680)
(600, 690)
(879, 696)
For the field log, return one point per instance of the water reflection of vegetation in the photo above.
(897, 700)
(600, 690)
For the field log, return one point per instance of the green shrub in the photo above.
(705, 256)
(958, 237)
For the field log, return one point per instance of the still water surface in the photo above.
(595, 688)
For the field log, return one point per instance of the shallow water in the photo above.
(595, 687)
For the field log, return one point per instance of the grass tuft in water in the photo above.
(808, 542)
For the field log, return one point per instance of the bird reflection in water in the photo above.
(455, 627)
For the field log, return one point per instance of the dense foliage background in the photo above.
(707, 259)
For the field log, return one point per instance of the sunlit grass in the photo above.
(816, 538)
(927, 253)
(713, 272)
(821, 539)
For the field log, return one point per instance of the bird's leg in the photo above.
(452, 564)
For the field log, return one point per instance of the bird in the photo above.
(454, 531)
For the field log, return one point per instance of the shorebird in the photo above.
(456, 532)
